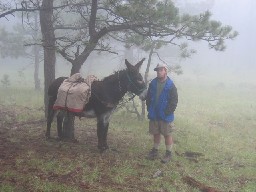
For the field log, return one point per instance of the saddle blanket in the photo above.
(74, 93)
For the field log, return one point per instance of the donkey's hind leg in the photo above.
(50, 116)
(60, 118)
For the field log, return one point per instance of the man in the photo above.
(161, 101)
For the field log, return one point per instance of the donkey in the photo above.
(105, 96)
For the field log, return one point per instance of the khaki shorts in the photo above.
(161, 127)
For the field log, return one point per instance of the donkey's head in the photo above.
(136, 84)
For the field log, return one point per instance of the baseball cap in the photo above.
(160, 66)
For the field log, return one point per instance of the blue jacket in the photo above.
(157, 110)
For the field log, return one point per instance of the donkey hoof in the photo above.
(47, 136)
(103, 148)
(74, 141)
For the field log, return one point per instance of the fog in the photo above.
(235, 64)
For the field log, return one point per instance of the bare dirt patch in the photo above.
(25, 153)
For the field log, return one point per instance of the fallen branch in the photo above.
(202, 187)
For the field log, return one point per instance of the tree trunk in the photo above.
(46, 22)
(36, 71)
(75, 68)
(37, 55)
(143, 103)
(79, 61)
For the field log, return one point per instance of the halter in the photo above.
(132, 82)
(123, 102)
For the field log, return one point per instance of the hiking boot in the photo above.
(152, 155)
(167, 157)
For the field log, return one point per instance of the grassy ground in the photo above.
(215, 124)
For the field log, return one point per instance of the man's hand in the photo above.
(167, 112)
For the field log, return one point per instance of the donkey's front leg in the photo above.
(50, 117)
(102, 131)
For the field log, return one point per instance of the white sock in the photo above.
(168, 147)
(156, 146)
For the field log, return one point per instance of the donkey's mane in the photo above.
(113, 77)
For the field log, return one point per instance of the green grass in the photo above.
(21, 96)
(219, 123)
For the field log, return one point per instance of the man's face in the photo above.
(161, 73)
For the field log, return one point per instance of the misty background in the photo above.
(237, 62)
(236, 65)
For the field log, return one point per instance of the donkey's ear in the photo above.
(138, 65)
(128, 64)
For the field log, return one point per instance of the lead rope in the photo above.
(122, 103)
(120, 89)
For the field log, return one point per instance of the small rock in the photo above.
(158, 173)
